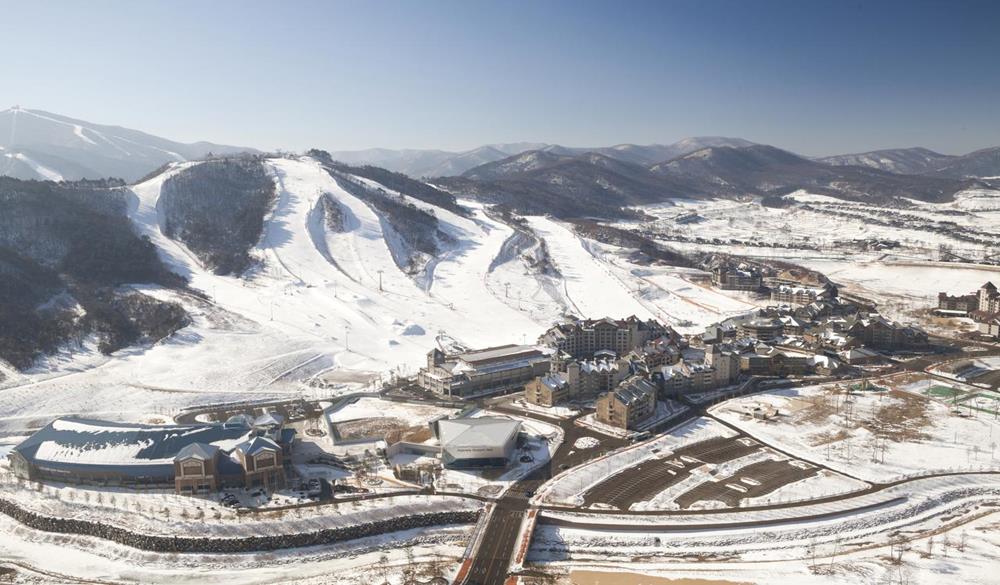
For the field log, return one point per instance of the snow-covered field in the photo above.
(948, 528)
(368, 407)
(902, 279)
(872, 436)
(386, 558)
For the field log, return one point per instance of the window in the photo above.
(191, 468)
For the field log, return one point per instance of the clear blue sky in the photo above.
(814, 77)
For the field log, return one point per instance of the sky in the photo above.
(814, 77)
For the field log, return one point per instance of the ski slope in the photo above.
(326, 306)
(590, 287)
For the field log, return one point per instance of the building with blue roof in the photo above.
(192, 458)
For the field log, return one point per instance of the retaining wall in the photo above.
(182, 544)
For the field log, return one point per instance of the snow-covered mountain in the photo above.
(327, 302)
(894, 160)
(35, 144)
(432, 163)
(441, 163)
(910, 161)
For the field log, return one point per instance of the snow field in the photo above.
(385, 557)
(854, 524)
(820, 427)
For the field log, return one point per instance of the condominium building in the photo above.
(629, 405)
(582, 338)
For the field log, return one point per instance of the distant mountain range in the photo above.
(441, 163)
(527, 176)
(35, 144)
(595, 184)
(917, 160)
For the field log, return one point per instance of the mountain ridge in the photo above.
(40, 145)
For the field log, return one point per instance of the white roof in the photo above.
(477, 432)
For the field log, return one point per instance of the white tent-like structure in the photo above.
(477, 442)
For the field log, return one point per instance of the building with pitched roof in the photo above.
(583, 338)
(629, 405)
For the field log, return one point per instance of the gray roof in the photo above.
(269, 419)
(258, 444)
(197, 451)
(634, 391)
(238, 420)
(476, 432)
(503, 352)
(554, 381)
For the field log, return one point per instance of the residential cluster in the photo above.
(741, 275)
(982, 305)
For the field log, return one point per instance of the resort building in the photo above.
(885, 334)
(628, 405)
(548, 390)
(583, 338)
(762, 328)
(577, 380)
(483, 372)
(189, 458)
(960, 304)
(769, 361)
(795, 295)
(684, 378)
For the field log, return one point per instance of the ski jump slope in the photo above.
(313, 306)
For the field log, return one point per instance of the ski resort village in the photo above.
(379, 379)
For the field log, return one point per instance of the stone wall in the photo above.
(181, 544)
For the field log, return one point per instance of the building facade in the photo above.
(189, 458)
(582, 338)
(482, 372)
(629, 405)
(801, 295)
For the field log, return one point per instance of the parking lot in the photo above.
(643, 481)
(754, 480)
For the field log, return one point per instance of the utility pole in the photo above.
(379, 281)
(347, 343)
(506, 290)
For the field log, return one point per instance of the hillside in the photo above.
(761, 170)
(64, 251)
(981, 163)
(543, 182)
(904, 161)
(35, 144)
(217, 208)
(441, 163)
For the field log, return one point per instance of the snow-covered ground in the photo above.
(297, 316)
(903, 279)
(872, 436)
(850, 541)
(369, 407)
(385, 558)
